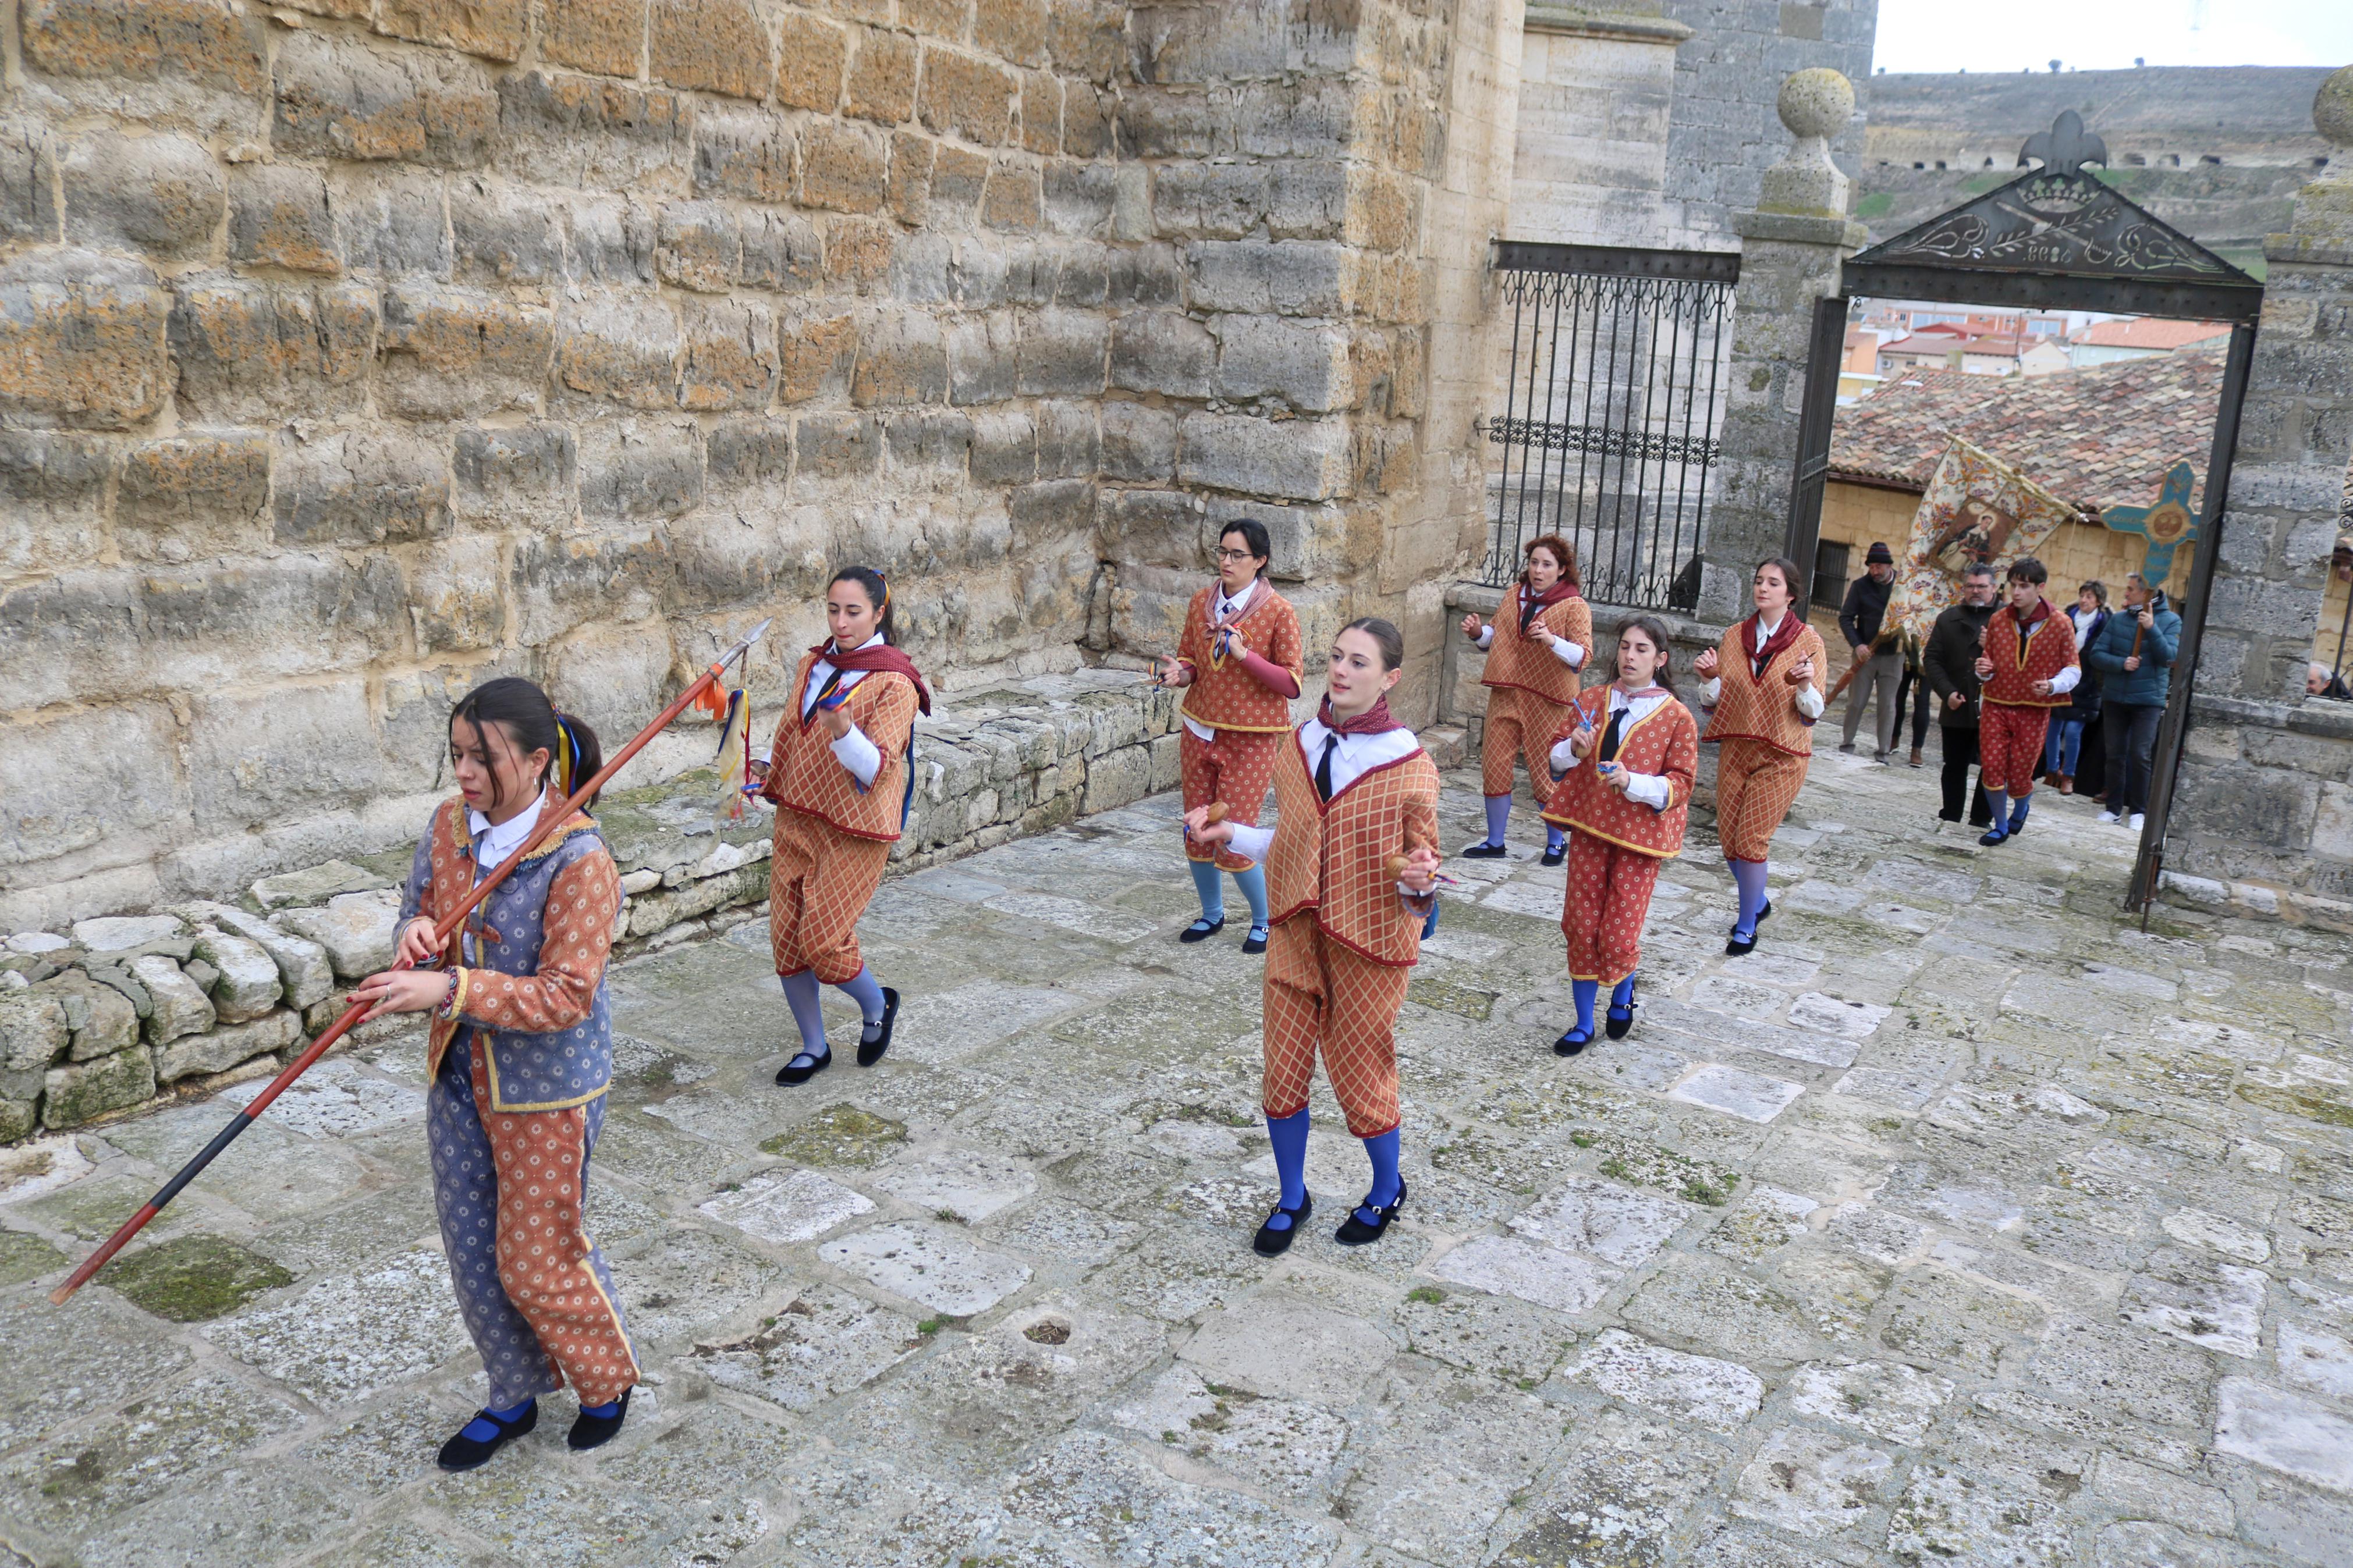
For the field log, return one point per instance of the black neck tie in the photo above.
(832, 684)
(1324, 768)
(1612, 736)
(1528, 607)
(2024, 631)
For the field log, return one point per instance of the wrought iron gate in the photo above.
(1611, 413)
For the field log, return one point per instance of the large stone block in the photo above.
(504, 233)
(966, 96)
(1015, 200)
(561, 583)
(63, 792)
(700, 247)
(1163, 352)
(835, 445)
(516, 474)
(843, 168)
(249, 985)
(1062, 354)
(210, 42)
(85, 1090)
(245, 774)
(495, 29)
(983, 363)
(746, 153)
(958, 177)
(621, 348)
(226, 1047)
(718, 46)
(1081, 198)
(1305, 364)
(908, 191)
(607, 37)
(28, 201)
(103, 1019)
(82, 339)
(617, 678)
(2259, 805)
(929, 438)
(747, 456)
(1145, 275)
(1052, 511)
(558, 128)
(338, 98)
(730, 356)
(279, 216)
(390, 217)
(179, 1004)
(1004, 448)
(810, 52)
(161, 195)
(782, 252)
(52, 500)
(881, 85)
(457, 604)
(34, 1031)
(303, 973)
(1223, 201)
(817, 352)
(192, 496)
(902, 359)
(362, 487)
(1298, 459)
(260, 352)
(355, 928)
(460, 354)
(1041, 112)
(639, 469)
(1154, 528)
(1139, 442)
(1298, 278)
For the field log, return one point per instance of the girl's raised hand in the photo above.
(416, 948)
(1800, 672)
(1201, 830)
(1706, 665)
(1172, 672)
(1420, 871)
(1471, 627)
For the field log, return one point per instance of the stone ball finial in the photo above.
(2332, 108)
(1819, 101)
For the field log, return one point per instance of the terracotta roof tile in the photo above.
(2151, 333)
(2100, 437)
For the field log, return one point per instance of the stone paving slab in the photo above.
(1963, 1222)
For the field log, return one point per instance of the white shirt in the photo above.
(1354, 757)
(1223, 609)
(2065, 681)
(2082, 619)
(1568, 652)
(853, 751)
(1809, 700)
(495, 844)
(1647, 789)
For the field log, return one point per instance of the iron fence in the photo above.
(1612, 410)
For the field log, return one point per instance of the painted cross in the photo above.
(2168, 523)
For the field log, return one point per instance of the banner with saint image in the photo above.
(1977, 507)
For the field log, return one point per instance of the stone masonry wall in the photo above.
(354, 350)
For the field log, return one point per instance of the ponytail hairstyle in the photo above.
(1390, 641)
(878, 594)
(1655, 629)
(1561, 550)
(519, 712)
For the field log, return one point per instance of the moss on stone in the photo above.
(194, 1278)
(24, 1257)
(838, 1135)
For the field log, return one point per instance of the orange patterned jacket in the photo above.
(1665, 743)
(1763, 708)
(1224, 695)
(1332, 857)
(2049, 649)
(804, 776)
(1525, 662)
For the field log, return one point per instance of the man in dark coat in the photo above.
(1949, 662)
(1879, 665)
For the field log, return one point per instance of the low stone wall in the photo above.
(121, 1012)
(2262, 811)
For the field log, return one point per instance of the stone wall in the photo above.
(354, 350)
(113, 1013)
(1597, 88)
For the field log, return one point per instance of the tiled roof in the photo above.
(2100, 437)
(2151, 333)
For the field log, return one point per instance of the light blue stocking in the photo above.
(1749, 875)
(481, 1431)
(1383, 1151)
(1553, 837)
(1621, 995)
(1289, 1136)
(1213, 892)
(867, 992)
(1999, 799)
(1584, 991)
(1252, 883)
(1499, 816)
(801, 995)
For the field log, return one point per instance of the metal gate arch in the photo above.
(2054, 238)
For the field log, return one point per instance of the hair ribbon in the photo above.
(566, 753)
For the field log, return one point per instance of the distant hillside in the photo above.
(2219, 152)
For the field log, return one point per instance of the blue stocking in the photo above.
(1252, 883)
(481, 1431)
(801, 995)
(1499, 816)
(1553, 837)
(1999, 801)
(1585, 990)
(1749, 875)
(1383, 1151)
(2018, 813)
(1621, 995)
(1289, 1136)
(1213, 893)
(867, 992)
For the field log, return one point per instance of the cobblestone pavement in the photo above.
(1962, 1223)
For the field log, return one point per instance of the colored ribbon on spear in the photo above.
(351, 1014)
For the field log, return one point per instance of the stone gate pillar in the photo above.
(1792, 247)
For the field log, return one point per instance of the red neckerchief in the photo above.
(867, 660)
(1373, 721)
(1530, 608)
(2042, 612)
(1782, 638)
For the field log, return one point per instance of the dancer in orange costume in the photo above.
(838, 774)
(2028, 669)
(1239, 660)
(1352, 860)
(1763, 692)
(1535, 646)
(1625, 761)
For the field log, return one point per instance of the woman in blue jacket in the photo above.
(2068, 724)
(2133, 655)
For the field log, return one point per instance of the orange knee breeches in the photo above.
(1237, 768)
(2009, 747)
(819, 882)
(1520, 725)
(1323, 997)
(1756, 784)
(1602, 910)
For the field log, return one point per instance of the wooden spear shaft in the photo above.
(351, 1014)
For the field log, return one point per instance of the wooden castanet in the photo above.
(1216, 814)
(1395, 866)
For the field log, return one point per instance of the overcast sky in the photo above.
(2105, 35)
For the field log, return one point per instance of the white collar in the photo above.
(1228, 603)
(500, 840)
(1764, 632)
(1620, 697)
(830, 649)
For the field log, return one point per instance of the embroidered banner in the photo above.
(1977, 507)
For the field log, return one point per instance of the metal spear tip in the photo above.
(756, 633)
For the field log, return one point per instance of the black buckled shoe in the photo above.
(1201, 930)
(1735, 948)
(1482, 851)
(464, 1453)
(870, 1051)
(1555, 855)
(1618, 1022)
(1573, 1042)
(1256, 941)
(595, 1431)
(1272, 1243)
(804, 1066)
(1354, 1232)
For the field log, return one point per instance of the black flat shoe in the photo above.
(1272, 1243)
(1482, 851)
(1354, 1232)
(1254, 942)
(870, 1051)
(595, 1431)
(1734, 948)
(795, 1071)
(1202, 931)
(1554, 857)
(463, 1453)
(1766, 913)
(1618, 1022)
(1992, 836)
(1572, 1043)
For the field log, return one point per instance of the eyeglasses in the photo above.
(1234, 555)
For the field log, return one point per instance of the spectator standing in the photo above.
(2319, 681)
(2134, 659)
(1948, 663)
(1915, 685)
(2065, 743)
(1879, 659)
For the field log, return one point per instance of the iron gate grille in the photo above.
(1611, 414)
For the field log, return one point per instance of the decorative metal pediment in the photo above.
(2058, 222)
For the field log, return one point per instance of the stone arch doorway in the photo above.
(2056, 239)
